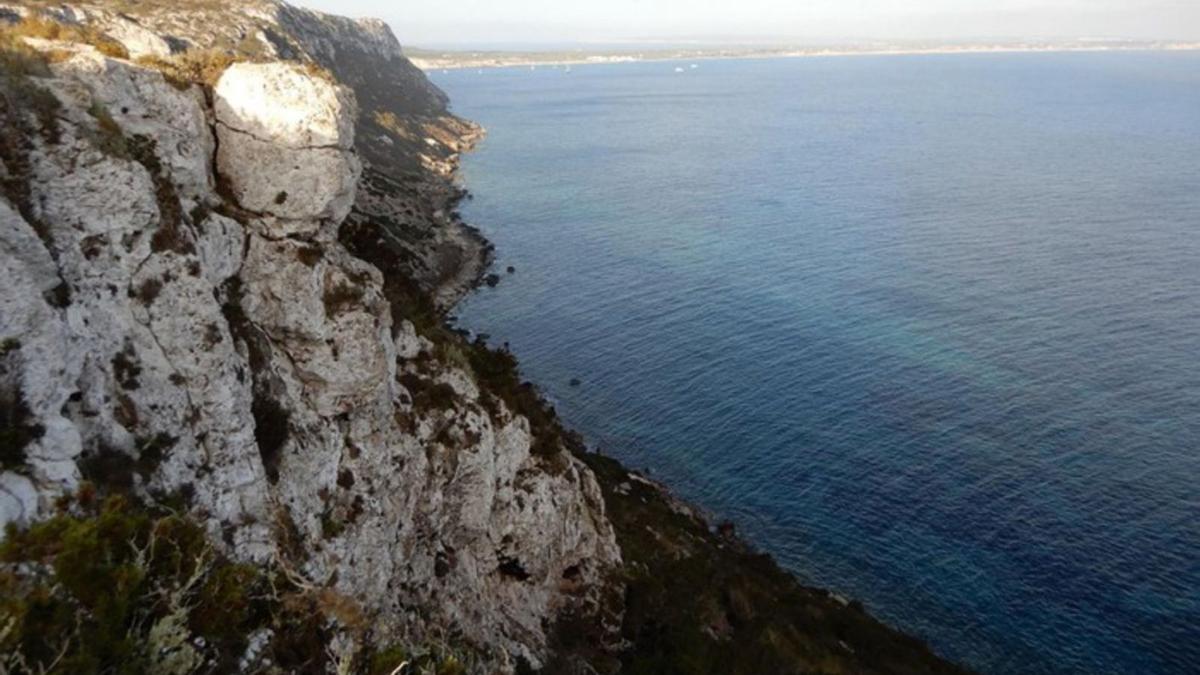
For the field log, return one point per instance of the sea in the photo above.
(926, 328)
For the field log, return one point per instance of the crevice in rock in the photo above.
(18, 426)
(16, 146)
(271, 431)
(512, 568)
(193, 410)
(272, 420)
(243, 132)
(168, 236)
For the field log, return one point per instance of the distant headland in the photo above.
(445, 59)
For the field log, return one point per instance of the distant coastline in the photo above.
(431, 59)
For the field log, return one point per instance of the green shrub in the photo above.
(116, 586)
(102, 579)
(428, 394)
(8, 346)
(497, 372)
(433, 660)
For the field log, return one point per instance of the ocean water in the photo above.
(926, 328)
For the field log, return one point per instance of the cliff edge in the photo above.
(182, 320)
(237, 435)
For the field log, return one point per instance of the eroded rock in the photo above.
(286, 140)
(237, 356)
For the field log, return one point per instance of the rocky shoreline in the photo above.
(721, 585)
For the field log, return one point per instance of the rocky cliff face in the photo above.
(182, 320)
(235, 433)
(406, 139)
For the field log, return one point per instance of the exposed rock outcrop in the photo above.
(232, 352)
(222, 309)
(286, 141)
(406, 139)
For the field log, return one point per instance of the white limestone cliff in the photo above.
(405, 181)
(227, 346)
(286, 141)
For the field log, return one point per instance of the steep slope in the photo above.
(228, 234)
(408, 141)
(182, 320)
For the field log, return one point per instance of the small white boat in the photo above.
(693, 66)
(679, 70)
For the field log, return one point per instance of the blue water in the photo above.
(926, 328)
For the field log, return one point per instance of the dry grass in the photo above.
(19, 94)
(199, 66)
(391, 122)
(193, 67)
(318, 71)
(140, 7)
(206, 66)
(36, 27)
(19, 60)
(135, 7)
(109, 137)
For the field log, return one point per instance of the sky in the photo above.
(445, 23)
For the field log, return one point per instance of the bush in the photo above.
(117, 586)
(496, 370)
(103, 579)
(434, 660)
(205, 66)
(428, 394)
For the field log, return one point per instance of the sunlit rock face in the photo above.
(134, 357)
(286, 140)
(179, 305)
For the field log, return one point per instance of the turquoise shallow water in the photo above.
(925, 328)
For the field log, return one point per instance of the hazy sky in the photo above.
(442, 22)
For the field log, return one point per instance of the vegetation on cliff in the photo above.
(697, 599)
(700, 600)
(113, 585)
(124, 577)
